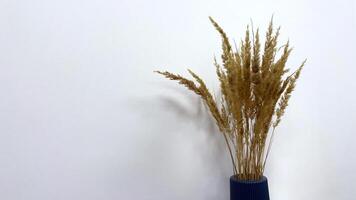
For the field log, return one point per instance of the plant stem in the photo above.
(231, 156)
(268, 149)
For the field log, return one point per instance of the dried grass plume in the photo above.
(255, 90)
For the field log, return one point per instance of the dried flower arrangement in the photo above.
(255, 93)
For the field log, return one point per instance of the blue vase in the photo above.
(248, 190)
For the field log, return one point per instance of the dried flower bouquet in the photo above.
(255, 92)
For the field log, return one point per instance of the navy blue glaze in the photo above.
(248, 190)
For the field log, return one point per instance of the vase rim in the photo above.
(235, 179)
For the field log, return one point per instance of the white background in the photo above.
(83, 117)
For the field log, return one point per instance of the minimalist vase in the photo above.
(248, 190)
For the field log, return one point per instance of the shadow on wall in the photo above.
(182, 142)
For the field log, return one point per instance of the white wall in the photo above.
(83, 117)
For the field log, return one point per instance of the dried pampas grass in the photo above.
(255, 93)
